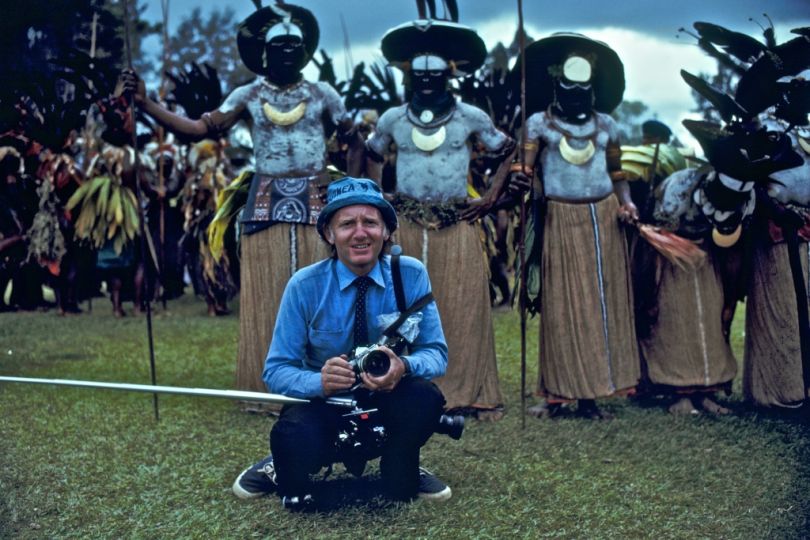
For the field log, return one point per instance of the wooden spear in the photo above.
(164, 6)
(522, 242)
(141, 216)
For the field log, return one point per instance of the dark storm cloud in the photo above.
(367, 20)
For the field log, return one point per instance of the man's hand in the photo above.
(628, 213)
(129, 83)
(519, 183)
(391, 379)
(337, 375)
(476, 208)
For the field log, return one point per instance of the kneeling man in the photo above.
(327, 310)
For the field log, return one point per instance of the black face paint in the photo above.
(429, 84)
(753, 153)
(430, 92)
(285, 57)
(573, 101)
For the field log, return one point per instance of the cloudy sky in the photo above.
(643, 32)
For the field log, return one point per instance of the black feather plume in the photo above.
(741, 46)
(725, 104)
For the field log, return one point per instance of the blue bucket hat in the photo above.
(349, 191)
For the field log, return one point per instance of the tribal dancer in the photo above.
(776, 365)
(772, 363)
(289, 119)
(587, 340)
(207, 177)
(433, 134)
(689, 357)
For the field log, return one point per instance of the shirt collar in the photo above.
(346, 277)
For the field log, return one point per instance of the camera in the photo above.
(361, 436)
(452, 426)
(372, 360)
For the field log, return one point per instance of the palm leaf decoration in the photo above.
(46, 242)
(637, 161)
(107, 211)
(229, 202)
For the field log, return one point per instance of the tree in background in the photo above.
(630, 115)
(212, 41)
(57, 57)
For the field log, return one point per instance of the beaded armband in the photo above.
(613, 156)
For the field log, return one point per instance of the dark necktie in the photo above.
(360, 326)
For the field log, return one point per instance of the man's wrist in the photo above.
(407, 365)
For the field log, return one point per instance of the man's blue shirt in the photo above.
(316, 322)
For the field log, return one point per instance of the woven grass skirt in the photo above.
(459, 277)
(587, 337)
(772, 365)
(686, 348)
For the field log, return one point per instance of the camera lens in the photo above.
(452, 426)
(376, 363)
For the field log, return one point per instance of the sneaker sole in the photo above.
(442, 495)
(243, 493)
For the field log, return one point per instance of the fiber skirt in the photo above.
(686, 346)
(588, 344)
(772, 365)
(459, 278)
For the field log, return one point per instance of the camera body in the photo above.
(372, 360)
(361, 436)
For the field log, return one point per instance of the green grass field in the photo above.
(82, 463)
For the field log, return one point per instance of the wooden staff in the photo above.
(522, 242)
(164, 6)
(141, 216)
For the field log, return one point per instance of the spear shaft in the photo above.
(164, 5)
(522, 241)
(141, 216)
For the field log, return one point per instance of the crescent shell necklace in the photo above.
(428, 143)
(281, 118)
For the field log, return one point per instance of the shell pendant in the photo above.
(284, 118)
(428, 143)
(726, 240)
(574, 156)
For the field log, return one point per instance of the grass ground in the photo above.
(80, 463)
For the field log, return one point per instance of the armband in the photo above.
(212, 128)
(613, 156)
(530, 145)
(618, 176)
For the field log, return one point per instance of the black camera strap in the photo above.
(396, 275)
(399, 292)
